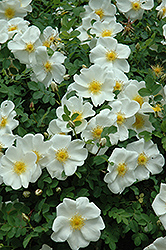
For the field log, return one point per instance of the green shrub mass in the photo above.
(26, 222)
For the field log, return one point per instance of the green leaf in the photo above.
(6, 227)
(144, 92)
(66, 118)
(99, 159)
(155, 89)
(164, 143)
(97, 192)
(108, 130)
(38, 95)
(70, 94)
(6, 63)
(67, 112)
(74, 116)
(77, 123)
(133, 226)
(163, 126)
(147, 135)
(137, 241)
(26, 240)
(83, 192)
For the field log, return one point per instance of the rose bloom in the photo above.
(162, 9)
(45, 247)
(17, 168)
(122, 164)
(158, 204)
(95, 128)
(134, 9)
(99, 10)
(149, 159)
(78, 222)
(74, 105)
(124, 109)
(7, 123)
(23, 46)
(158, 244)
(10, 9)
(95, 83)
(110, 54)
(48, 68)
(106, 29)
(64, 156)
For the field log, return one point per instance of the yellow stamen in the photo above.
(95, 87)
(122, 169)
(38, 155)
(118, 85)
(97, 132)
(52, 38)
(139, 123)
(139, 99)
(62, 155)
(46, 44)
(157, 108)
(111, 55)
(100, 13)
(164, 10)
(29, 47)
(47, 66)
(9, 13)
(158, 70)
(19, 167)
(142, 159)
(79, 117)
(106, 33)
(120, 118)
(3, 122)
(136, 6)
(12, 28)
(77, 222)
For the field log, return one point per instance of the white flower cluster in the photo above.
(79, 221)
(27, 43)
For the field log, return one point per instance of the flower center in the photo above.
(62, 155)
(77, 222)
(100, 13)
(136, 6)
(47, 66)
(11, 28)
(118, 85)
(139, 99)
(38, 155)
(52, 38)
(95, 87)
(3, 122)
(97, 132)
(139, 123)
(29, 47)
(111, 55)
(157, 108)
(158, 70)
(122, 169)
(46, 43)
(79, 117)
(9, 13)
(164, 10)
(19, 167)
(106, 33)
(142, 159)
(120, 118)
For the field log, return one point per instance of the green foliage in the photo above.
(129, 218)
